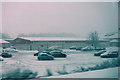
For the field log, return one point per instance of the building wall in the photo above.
(35, 45)
(104, 44)
(5, 45)
(115, 44)
(62, 44)
(22, 46)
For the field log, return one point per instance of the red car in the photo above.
(36, 54)
(58, 54)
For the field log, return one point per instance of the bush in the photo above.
(49, 72)
(18, 73)
(63, 71)
(80, 69)
(103, 65)
(107, 64)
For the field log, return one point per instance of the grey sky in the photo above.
(1, 17)
(52, 17)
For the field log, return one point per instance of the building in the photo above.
(114, 43)
(34, 43)
(4, 44)
(114, 40)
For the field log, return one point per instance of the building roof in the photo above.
(55, 39)
(113, 36)
(114, 41)
(3, 41)
(51, 39)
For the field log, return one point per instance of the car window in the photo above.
(57, 52)
(107, 52)
(103, 51)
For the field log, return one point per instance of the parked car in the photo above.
(87, 48)
(78, 48)
(99, 49)
(6, 55)
(54, 48)
(36, 54)
(1, 58)
(9, 50)
(48, 52)
(44, 56)
(58, 54)
(110, 54)
(72, 47)
(39, 52)
(99, 53)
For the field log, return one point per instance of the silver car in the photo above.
(45, 56)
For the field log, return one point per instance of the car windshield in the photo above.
(43, 54)
(56, 52)
(113, 52)
(102, 51)
(106, 52)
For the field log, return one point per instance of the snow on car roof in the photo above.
(3, 41)
(43, 54)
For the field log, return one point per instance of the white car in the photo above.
(109, 54)
(9, 50)
(88, 48)
(1, 58)
(105, 53)
(45, 56)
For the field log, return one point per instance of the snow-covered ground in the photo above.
(104, 73)
(74, 61)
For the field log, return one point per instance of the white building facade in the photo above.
(33, 43)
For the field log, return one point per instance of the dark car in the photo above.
(6, 55)
(44, 56)
(99, 53)
(72, 47)
(36, 54)
(78, 48)
(99, 49)
(58, 54)
(110, 54)
(48, 52)
(88, 48)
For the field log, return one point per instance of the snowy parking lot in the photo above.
(74, 61)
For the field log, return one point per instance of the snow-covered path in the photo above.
(104, 73)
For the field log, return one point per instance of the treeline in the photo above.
(4, 36)
(47, 35)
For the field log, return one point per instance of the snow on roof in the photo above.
(112, 36)
(51, 39)
(3, 41)
(114, 41)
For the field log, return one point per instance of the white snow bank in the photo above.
(26, 51)
(104, 73)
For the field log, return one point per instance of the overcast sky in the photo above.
(56, 17)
